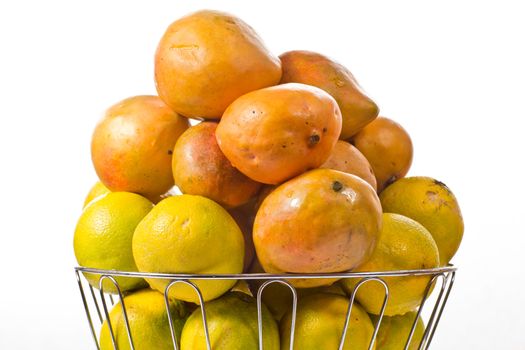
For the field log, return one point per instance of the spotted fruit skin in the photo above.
(431, 203)
(132, 146)
(322, 221)
(312, 68)
(276, 133)
(205, 60)
(200, 168)
(348, 159)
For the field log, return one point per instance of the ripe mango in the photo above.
(207, 59)
(312, 68)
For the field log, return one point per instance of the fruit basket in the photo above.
(286, 166)
(437, 291)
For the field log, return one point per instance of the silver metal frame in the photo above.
(445, 274)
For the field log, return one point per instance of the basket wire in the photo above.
(445, 275)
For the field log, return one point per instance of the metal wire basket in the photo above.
(443, 275)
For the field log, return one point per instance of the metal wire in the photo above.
(445, 274)
(433, 315)
(203, 312)
(84, 302)
(106, 312)
(96, 303)
(450, 279)
(266, 276)
(426, 294)
(349, 311)
(259, 310)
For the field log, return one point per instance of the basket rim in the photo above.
(268, 276)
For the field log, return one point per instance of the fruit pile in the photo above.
(248, 162)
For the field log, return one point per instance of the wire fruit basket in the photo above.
(440, 279)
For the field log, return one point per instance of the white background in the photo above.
(452, 73)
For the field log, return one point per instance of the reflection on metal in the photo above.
(259, 309)
(106, 312)
(444, 274)
(203, 312)
(349, 312)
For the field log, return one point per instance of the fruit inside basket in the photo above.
(321, 318)
(259, 202)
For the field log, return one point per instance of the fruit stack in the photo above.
(248, 162)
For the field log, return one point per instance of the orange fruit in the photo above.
(388, 148)
(200, 168)
(312, 68)
(207, 59)
(132, 145)
(348, 159)
(321, 221)
(276, 133)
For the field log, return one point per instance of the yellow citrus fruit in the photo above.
(243, 287)
(98, 190)
(104, 233)
(320, 321)
(394, 331)
(189, 234)
(148, 322)
(278, 297)
(232, 325)
(279, 300)
(404, 244)
(432, 204)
